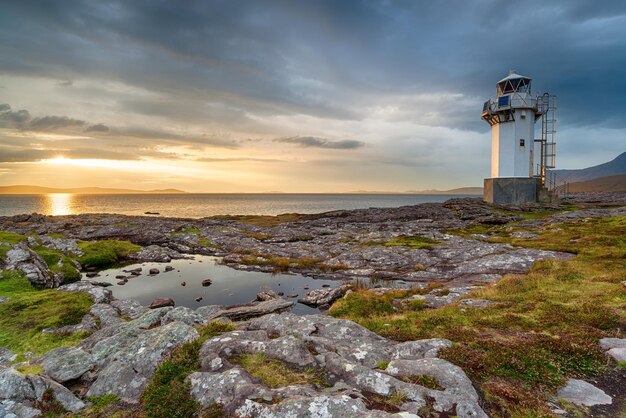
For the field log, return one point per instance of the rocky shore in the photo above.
(416, 245)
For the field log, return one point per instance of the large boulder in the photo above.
(22, 258)
(129, 363)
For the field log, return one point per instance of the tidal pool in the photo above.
(229, 286)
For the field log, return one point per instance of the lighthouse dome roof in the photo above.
(513, 76)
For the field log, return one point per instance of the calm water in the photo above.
(229, 286)
(201, 205)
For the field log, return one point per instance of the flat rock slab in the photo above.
(253, 310)
(582, 393)
(65, 364)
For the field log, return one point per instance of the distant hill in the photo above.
(25, 189)
(460, 190)
(603, 184)
(612, 168)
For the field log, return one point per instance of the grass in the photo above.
(28, 311)
(275, 373)
(167, 395)
(101, 254)
(390, 403)
(545, 328)
(413, 242)
(280, 264)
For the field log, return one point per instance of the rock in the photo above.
(157, 254)
(252, 310)
(65, 364)
(322, 297)
(207, 282)
(12, 409)
(6, 356)
(2, 300)
(97, 293)
(199, 298)
(292, 295)
(153, 271)
(169, 268)
(129, 307)
(476, 303)
(451, 378)
(183, 284)
(17, 388)
(106, 314)
(120, 276)
(346, 353)
(22, 258)
(92, 274)
(312, 407)
(582, 393)
(161, 302)
(121, 282)
(100, 284)
(618, 354)
(134, 358)
(266, 294)
(184, 315)
(608, 343)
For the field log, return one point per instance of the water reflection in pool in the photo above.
(229, 286)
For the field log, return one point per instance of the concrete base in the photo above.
(511, 190)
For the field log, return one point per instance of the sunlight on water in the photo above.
(59, 203)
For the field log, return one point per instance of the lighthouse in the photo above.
(519, 158)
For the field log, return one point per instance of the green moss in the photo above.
(105, 253)
(59, 263)
(413, 242)
(28, 311)
(275, 373)
(167, 395)
(203, 242)
(190, 230)
(30, 369)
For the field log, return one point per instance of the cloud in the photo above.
(315, 142)
(97, 128)
(47, 123)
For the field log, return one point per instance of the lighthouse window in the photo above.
(522, 143)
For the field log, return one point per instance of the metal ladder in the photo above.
(546, 106)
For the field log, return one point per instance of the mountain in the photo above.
(602, 184)
(612, 168)
(27, 189)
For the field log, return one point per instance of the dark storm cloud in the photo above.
(22, 119)
(327, 58)
(311, 141)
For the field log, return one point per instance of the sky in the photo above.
(294, 96)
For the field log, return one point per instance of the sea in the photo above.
(204, 205)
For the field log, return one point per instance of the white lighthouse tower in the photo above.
(518, 159)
